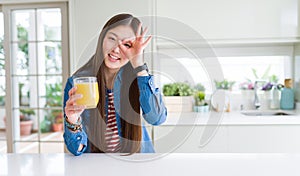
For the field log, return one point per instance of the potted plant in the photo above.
(57, 124)
(25, 121)
(200, 104)
(247, 93)
(178, 97)
(264, 86)
(247, 85)
(225, 84)
(222, 95)
(46, 124)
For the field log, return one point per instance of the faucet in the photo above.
(257, 103)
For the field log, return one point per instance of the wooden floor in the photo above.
(45, 143)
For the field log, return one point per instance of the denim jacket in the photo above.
(153, 111)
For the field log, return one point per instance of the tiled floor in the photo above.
(49, 143)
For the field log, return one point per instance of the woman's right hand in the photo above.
(72, 110)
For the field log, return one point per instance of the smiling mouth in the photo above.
(113, 57)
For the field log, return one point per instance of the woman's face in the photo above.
(113, 57)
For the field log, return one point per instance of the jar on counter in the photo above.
(274, 97)
(287, 95)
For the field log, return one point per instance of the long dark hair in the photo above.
(94, 120)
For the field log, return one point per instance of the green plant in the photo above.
(59, 118)
(53, 95)
(22, 96)
(270, 79)
(2, 72)
(54, 99)
(273, 79)
(2, 101)
(225, 84)
(265, 74)
(2, 60)
(23, 37)
(177, 89)
(199, 87)
(25, 114)
(200, 98)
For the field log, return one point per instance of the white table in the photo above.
(214, 164)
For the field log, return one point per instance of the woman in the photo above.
(125, 88)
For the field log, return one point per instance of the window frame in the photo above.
(5, 140)
(7, 9)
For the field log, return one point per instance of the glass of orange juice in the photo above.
(88, 87)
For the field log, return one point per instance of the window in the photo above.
(38, 66)
(247, 69)
(242, 65)
(236, 62)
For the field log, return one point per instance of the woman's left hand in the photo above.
(133, 48)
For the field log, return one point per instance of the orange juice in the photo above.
(90, 93)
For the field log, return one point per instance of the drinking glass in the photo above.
(88, 87)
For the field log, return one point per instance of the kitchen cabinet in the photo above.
(236, 133)
(186, 139)
(257, 138)
(233, 19)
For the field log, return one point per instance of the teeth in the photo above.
(114, 57)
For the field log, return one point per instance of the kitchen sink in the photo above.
(266, 113)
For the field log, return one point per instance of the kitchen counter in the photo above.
(229, 132)
(231, 118)
(213, 164)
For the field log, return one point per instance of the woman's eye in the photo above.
(127, 45)
(111, 38)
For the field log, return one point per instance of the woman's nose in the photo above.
(116, 48)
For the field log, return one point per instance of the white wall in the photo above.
(87, 18)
